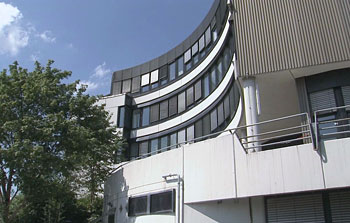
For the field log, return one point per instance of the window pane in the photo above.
(137, 205)
(219, 71)
(117, 87)
(198, 90)
(187, 55)
(126, 86)
(189, 96)
(215, 34)
(144, 79)
(143, 148)
(154, 76)
(154, 113)
(208, 36)
(206, 125)
(227, 106)
(188, 66)
(162, 202)
(180, 66)
(155, 85)
(136, 119)
(173, 106)
(195, 49)
(145, 116)
(206, 89)
(221, 113)
(121, 117)
(232, 101)
(111, 218)
(134, 150)
(163, 142)
(173, 140)
(154, 146)
(227, 58)
(201, 43)
(163, 74)
(181, 136)
(213, 120)
(145, 88)
(172, 71)
(163, 109)
(190, 133)
(181, 102)
(136, 84)
(195, 58)
(213, 80)
(198, 129)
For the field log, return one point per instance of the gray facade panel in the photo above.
(274, 35)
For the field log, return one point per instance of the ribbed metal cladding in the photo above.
(275, 35)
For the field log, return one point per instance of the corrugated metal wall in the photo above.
(275, 35)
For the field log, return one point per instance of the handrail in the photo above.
(306, 132)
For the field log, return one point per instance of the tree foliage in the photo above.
(54, 139)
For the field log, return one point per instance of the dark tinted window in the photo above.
(121, 117)
(206, 89)
(163, 142)
(213, 80)
(213, 120)
(117, 87)
(164, 109)
(198, 129)
(136, 118)
(154, 113)
(206, 125)
(180, 66)
(221, 117)
(172, 71)
(137, 206)
(163, 74)
(134, 150)
(111, 218)
(154, 146)
(227, 106)
(143, 148)
(135, 84)
(126, 86)
(173, 106)
(162, 202)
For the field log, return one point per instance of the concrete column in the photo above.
(251, 111)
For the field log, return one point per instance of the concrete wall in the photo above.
(111, 105)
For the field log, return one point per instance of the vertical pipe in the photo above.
(251, 112)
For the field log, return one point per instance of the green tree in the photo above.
(51, 133)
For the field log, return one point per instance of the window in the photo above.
(163, 75)
(135, 84)
(163, 109)
(144, 79)
(134, 151)
(111, 218)
(145, 116)
(173, 106)
(181, 136)
(137, 205)
(145, 88)
(173, 140)
(206, 89)
(221, 117)
(126, 86)
(136, 118)
(215, 34)
(154, 113)
(117, 87)
(232, 100)
(188, 56)
(195, 59)
(190, 133)
(201, 43)
(172, 71)
(154, 146)
(121, 117)
(195, 49)
(163, 142)
(207, 36)
(227, 58)
(143, 148)
(198, 90)
(181, 102)
(198, 129)
(189, 96)
(213, 120)
(213, 80)
(154, 76)
(180, 66)
(206, 125)
(163, 202)
(219, 71)
(227, 106)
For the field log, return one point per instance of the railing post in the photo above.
(316, 131)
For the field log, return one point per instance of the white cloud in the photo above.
(35, 56)
(13, 36)
(89, 85)
(47, 36)
(101, 70)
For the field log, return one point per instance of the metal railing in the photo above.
(298, 130)
(331, 123)
(282, 136)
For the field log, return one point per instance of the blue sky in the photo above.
(93, 38)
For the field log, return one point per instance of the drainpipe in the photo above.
(250, 94)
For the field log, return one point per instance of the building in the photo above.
(247, 120)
